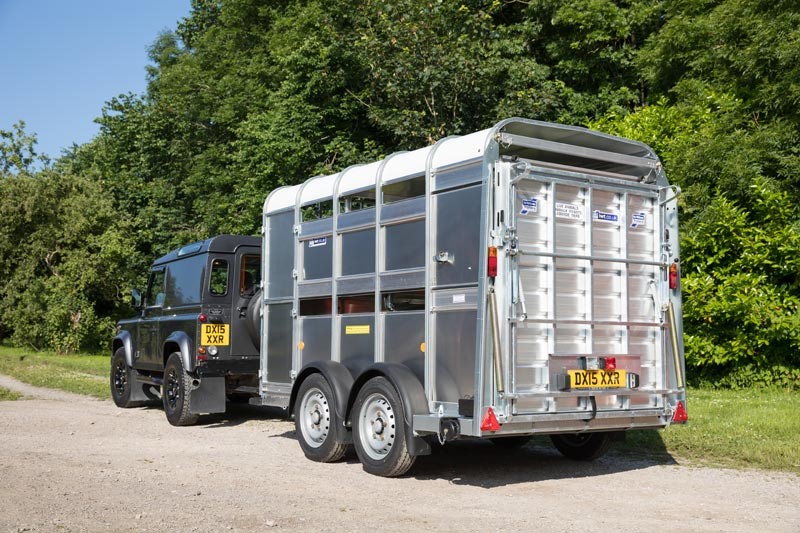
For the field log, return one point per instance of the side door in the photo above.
(148, 354)
(247, 276)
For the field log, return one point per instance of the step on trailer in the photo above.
(516, 281)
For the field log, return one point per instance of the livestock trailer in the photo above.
(520, 280)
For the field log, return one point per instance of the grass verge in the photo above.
(81, 374)
(9, 395)
(756, 428)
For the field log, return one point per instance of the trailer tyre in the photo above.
(122, 377)
(177, 393)
(315, 421)
(379, 429)
(582, 446)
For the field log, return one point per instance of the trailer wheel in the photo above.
(379, 429)
(177, 393)
(122, 381)
(582, 446)
(315, 421)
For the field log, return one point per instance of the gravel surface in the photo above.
(70, 463)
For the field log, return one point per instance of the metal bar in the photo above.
(589, 322)
(496, 349)
(592, 258)
(578, 151)
(673, 331)
(577, 170)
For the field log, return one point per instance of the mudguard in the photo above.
(208, 396)
(124, 340)
(179, 342)
(339, 378)
(411, 392)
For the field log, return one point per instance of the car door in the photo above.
(248, 277)
(148, 352)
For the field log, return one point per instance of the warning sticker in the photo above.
(357, 330)
(601, 216)
(570, 211)
(322, 241)
(529, 205)
(638, 219)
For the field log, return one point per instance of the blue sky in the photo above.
(61, 60)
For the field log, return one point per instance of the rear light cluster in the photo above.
(491, 267)
(673, 275)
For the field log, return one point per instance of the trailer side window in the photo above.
(359, 303)
(403, 301)
(315, 306)
(357, 202)
(403, 190)
(317, 211)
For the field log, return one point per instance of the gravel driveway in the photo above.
(71, 463)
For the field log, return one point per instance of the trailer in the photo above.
(519, 280)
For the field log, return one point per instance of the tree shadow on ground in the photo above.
(482, 464)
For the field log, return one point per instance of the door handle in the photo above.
(444, 257)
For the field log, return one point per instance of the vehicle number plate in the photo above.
(215, 334)
(597, 379)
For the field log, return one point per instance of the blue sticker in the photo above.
(611, 218)
(322, 241)
(529, 205)
(638, 219)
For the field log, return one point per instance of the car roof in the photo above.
(219, 244)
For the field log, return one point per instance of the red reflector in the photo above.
(680, 416)
(611, 363)
(673, 276)
(490, 422)
(491, 267)
(202, 317)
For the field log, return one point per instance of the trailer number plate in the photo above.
(597, 379)
(215, 334)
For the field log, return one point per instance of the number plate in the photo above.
(215, 334)
(597, 379)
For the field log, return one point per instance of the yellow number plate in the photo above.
(215, 334)
(597, 379)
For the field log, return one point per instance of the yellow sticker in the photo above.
(357, 330)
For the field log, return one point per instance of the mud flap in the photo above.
(208, 397)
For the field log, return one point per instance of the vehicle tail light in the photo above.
(491, 267)
(611, 363)
(680, 416)
(202, 317)
(490, 422)
(673, 276)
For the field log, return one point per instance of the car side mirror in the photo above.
(136, 298)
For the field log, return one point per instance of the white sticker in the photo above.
(601, 216)
(529, 205)
(459, 298)
(322, 241)
(570, 211)
(638, 219)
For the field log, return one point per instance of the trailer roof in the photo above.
(552, 144)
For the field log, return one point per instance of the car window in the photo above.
(249, 274)
(155, 289)
(218, 280)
